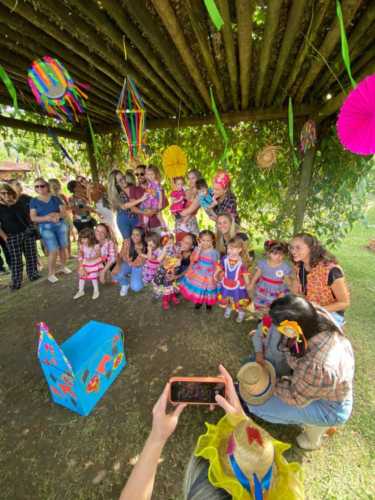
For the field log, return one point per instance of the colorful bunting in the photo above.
(10, 87)
(132, 115)
(55, 90)
(344, 43)
(214, 14)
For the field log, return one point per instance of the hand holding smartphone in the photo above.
(196, 390)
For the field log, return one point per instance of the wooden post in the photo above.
(304, 188)
(92, 159)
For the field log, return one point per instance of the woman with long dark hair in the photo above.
(319, 277)
(319, 393)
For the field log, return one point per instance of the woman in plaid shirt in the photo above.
(319, 393)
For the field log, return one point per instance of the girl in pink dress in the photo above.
(90, 262)
(154, 200)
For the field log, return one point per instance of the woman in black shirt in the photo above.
(19, 235)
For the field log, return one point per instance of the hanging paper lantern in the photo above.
(308, 136)
(174, 161)
(356, 122)
(267, 157)
(132, 116)
(55, 90)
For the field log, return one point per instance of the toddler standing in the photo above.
(234, 270)
(198, 285)
(90, 262)
(272, 277)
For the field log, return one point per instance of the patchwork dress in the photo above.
(198, 284)
(233, 287)
(271, 283)
(151, 267)
(91, 263)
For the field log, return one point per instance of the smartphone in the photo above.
(196, 390)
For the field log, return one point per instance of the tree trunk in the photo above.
(304, 188)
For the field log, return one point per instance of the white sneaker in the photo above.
(66, 270)
(240, 317)
(124, 290)
(52, 279)
(228, 312)
(79, 294)
(95, 295)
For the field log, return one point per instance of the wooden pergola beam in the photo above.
(132, 33)
(19, 25)
(318, 17)
(334, 104)
(6, 121)
(244, 13)
(170, 21)
(272, 23)
(349, 8)
(291, 31)
(200, 30)
(229, 51)
(88, 10)
(231, 118)
(89, 37)
(359, 39)
(162, 44)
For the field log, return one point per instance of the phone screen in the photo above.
(196, 392)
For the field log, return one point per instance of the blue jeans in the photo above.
(54, 235)
(320, 412)
(129, 275)
(126, 223)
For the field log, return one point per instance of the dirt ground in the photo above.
(51, 453)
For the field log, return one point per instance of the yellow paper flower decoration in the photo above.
(174, 161)
(290, 329)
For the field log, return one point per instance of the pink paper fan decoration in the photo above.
(356, 122)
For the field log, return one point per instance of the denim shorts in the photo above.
(54, 235)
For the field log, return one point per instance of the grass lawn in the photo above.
(49, 453)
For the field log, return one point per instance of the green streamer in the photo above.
(291, 130)
(344, 43)
(219, 125)
(94, 143)
(214, 14)
(10, 87)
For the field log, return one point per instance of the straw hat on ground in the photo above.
(257, 382)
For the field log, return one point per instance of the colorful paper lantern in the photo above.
(55, 90)
(132, 115)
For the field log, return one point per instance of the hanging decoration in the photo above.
(93, 139)
(308, 136)
(55, 90)
(356, 121)
(344, 43)
(220, 127)
(58, 144)
(132, 114)
(214, 14)
(267, 157)
(174, 161)
(10, 87)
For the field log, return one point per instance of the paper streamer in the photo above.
(291, 130)
(214, 14)
(344, 44)
(10, 87)
(219, 125)
(94, 143)
(59, 145)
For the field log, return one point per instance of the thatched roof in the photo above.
(266, 51)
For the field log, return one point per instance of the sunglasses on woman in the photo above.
(39, 186)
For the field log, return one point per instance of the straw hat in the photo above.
(267, 157)
(257, 382)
